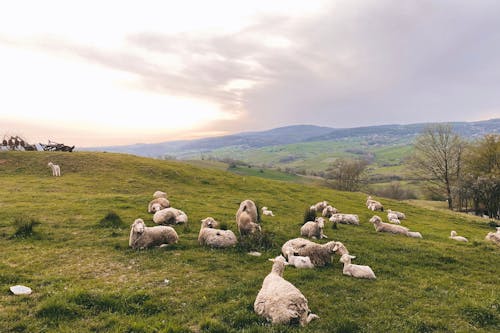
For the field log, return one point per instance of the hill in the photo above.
(86, 279)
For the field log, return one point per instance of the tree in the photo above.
(346, 173)
(437, 159)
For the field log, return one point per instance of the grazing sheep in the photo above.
(374, 205)
(245, 224)
(318, 207)
(159, 194)
(314, 229)
(399, 215)
(56, 170)
(267, 212)
(494, 236)
(393, 217)
(249, 207)
(345, 218)
(357, 271)
(170, 216)
(299, 261)
(279, 301)
(392, 228)
(328, 211)
(453, 235)
(320, 254)
(143, 237)
(215, 237)
(158, 204)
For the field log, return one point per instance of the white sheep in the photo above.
(393, 217)
(299, 261)
(56, 169)
(399, 215)
(249, 207)
(246, 225)
(318, 207)
(267, 212)
(392, 228)
(170, 216)
(374, 205)
(216, 238)
(279, 301)
(357, 271)
(328, 211)
(158, 204)
(345, 218)
(314, 229)
(143, 237)
(494, 236)
(159, 194)
(453, 235)
(320, 254)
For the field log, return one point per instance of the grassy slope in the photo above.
(86, 278)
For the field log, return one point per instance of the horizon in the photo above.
(168, 71)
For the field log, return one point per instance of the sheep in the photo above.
(159, 194)
(143, 237)
(215, 237)
(299, 261)
(318, 207)
(267, 212)
(392, 228)
(453, 235)
(357, 271)
(245, 224)
(279, 301)
(249, 207)
(320, 254)
(56, 170)
(494, 236)
(399, 215)
(393, 217)
(345, 218)
(328, 211)
(314, 229)
(158, 204)
(374, 205)
(170, 216)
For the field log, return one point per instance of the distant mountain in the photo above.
(381, 134)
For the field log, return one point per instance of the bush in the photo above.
(309, 215)
(259, 241)
(111, 220)
(25, 227)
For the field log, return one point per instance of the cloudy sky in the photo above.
(119, 72)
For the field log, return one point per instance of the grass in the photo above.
(85, 278)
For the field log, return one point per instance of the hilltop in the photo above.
(86, 279)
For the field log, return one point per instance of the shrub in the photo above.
(111, 220)
(25, 227)
(257, 241)
(309, 215)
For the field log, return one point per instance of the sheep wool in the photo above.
(158, 204)
(142, 237)
(170, 216)
(320, 254)
(215, 238)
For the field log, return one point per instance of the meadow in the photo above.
(85, 278)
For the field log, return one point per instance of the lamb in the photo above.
(453, 235)
(170, 216)
(142, 237)
(318, 207)
(215, 237)
(159, 194)
(328, 211)
(158, 204)
(279, 301)
(249, 207)
(392, 228)
(299, 261)
(320, 254)
(494, 236)
(267, 212)
(399, 215)
(345, 218)
(314, 229)
(56, 170)
(357, 271)
(393, 217)
(374, 205)
(246, 225)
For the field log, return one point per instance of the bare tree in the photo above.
(437, 159)
(346, 173)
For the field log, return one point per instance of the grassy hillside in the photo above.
(86, 279)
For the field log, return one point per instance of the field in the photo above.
(85, 278)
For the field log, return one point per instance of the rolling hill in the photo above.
(85, 278)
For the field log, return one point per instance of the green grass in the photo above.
(85, 278)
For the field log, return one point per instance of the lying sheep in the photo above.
(267, 212)
(159, 194)
(246, 225)
(318, 207)
(143, 237)
(170, 216)
(393, 217)
(399, 215)
(279, 301)
(215, 237)
(158, 204)
(453, 235)
(494, 236)
(56, 169)
(374, 205)
(299, 261)
(314, 229)
(328, 211)
(345, 219)
(392, 228)
(320, 254)
(357, 271)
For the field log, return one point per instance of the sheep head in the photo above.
(138, 226)
(209, 222)
(321, 222)
(279, 264)
(346, 258)
(375, 219)
(453, 233)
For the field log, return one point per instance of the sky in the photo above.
(96, 73)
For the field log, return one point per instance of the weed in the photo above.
(25, 227)
(309, 215)
(111, 220)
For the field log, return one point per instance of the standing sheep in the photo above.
(320, 254)
(357, 271)
(56, 170)
(170, 216)
(314, 229)
(246, 225)
(215, 237)
(143, 237)
(279, 301)
(453, 235)
(249, 207)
